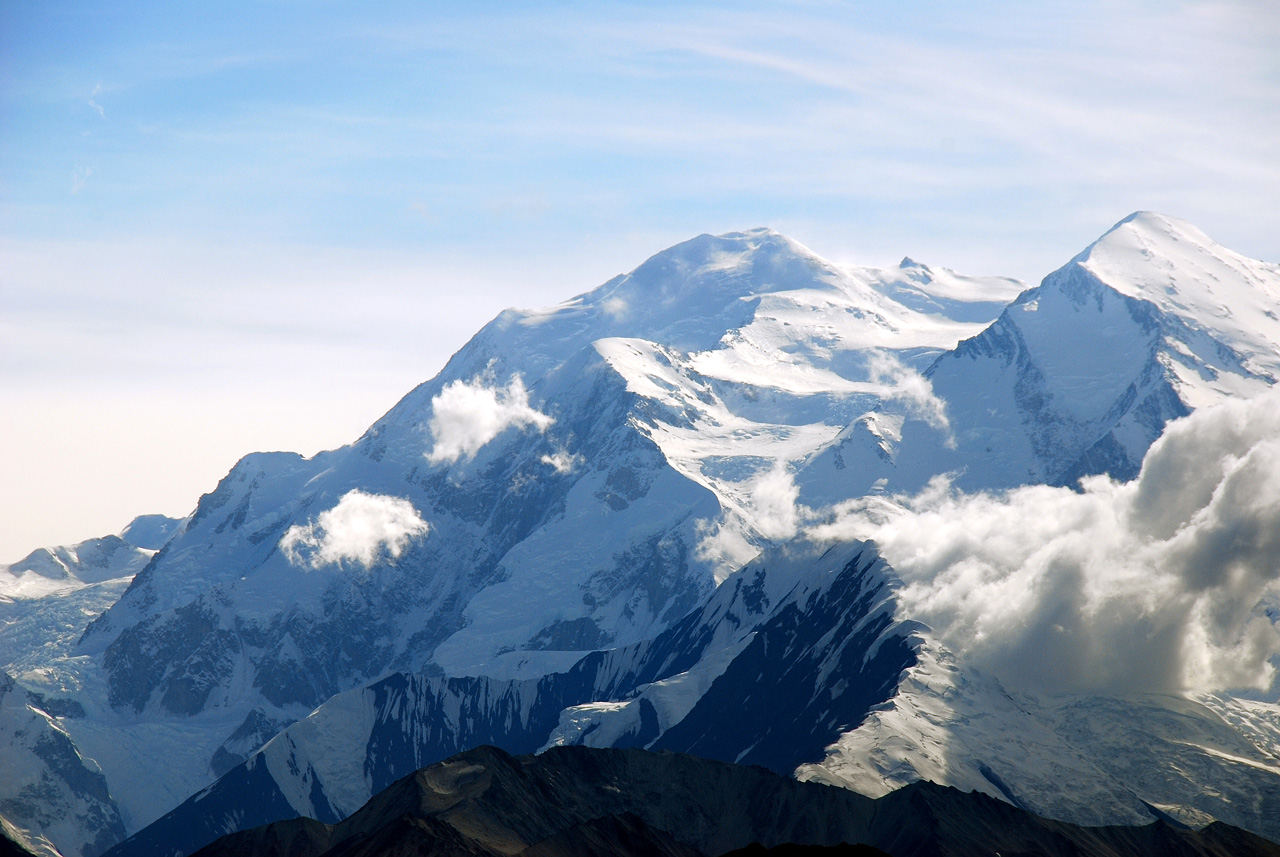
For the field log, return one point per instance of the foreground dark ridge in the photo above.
(581, 802)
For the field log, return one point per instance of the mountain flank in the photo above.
(582, 802)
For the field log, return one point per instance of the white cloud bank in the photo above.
(359, 528)
(467, 415)
(1153, 585)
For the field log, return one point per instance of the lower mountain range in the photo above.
(862, 527)
(602, 803)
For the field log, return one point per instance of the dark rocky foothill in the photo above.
(584, 802)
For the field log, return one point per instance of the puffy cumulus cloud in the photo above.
(360, 528)
(467, 415)
(1154, 585)
(910, 389)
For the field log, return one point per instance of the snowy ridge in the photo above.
(1079, 375)
(63, 569)
(48, 597)
(1215, 291)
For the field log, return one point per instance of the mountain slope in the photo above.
(51, 794)
(1088, 758)
(485, 802)
(798, 615)
(581, 477)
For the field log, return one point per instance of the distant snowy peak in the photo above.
(61, 569)
(150, 532)
(1079, 375)
(90, 561)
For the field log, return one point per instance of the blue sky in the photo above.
(248, 225)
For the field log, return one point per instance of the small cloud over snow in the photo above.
(911, 389)
(359, 529)
(615, 307)
(773, 496)
(723, 546)
(467, 415)
(562, 461)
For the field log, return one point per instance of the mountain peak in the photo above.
(1150, 229)
(1186, 274)
(710, 254)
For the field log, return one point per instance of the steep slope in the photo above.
(821, 679)
(573, 801)
(579, 478)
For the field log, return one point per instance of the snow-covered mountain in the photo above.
(577, 477)
(48, 597)
(55, 799)
(1091, 758)
(522, 534)
(798, 663)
